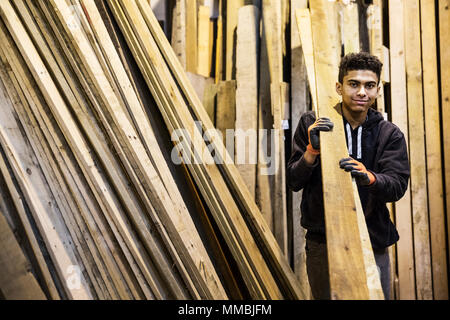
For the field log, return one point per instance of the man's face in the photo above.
(358, 90)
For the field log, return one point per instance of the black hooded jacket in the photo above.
(381, 147)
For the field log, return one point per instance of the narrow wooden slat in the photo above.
(433, 150)
(232, 7)
(274, 258)
(300, 103)
(347, 269)
(405, 255)
(247, 94)
(191, 36)
(182, 225)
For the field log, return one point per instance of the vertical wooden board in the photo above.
(179, 31)
(271, 15)
(264, 181)
(226, 109)
(433, 150)
(444, 49)
(203, 64)
(246, 134)
(209, 99)
(405, 254)
(16, 280)
(279, 93)
(346, 263)
(304, 26)
(219, 46)
(191, 36)
(350, 32)
(299, 104)
(418, 180)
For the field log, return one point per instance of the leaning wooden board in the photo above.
(418, 179)
(16, 280)
(405, 255)
(350, 269)
(444, 36)
(434, 155)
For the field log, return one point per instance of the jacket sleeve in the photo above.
(298, 171)
(393, 169)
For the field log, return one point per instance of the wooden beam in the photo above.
(300, 103)
(283, 274)
(405, 255)
(179, 36)
(246, 133)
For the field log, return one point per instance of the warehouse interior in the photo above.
(144, 144)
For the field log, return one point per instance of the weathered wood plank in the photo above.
(444, 49)
(405, 255)
(345, 248)
(246, 132)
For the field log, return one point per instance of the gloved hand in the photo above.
(321, 124)
(362, 176)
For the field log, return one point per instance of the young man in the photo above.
(378, 161)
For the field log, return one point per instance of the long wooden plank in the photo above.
(182, 225)
(246, 132)
(433, 150)
(347, 269)
(16, 280)
(444, 48)
(274, 257)
(265, 181)
(179, 31)
(203, 64)
(418, 180)
(191, 36)
(405, 255)
(300, 103)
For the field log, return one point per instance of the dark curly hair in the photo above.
(359, 61)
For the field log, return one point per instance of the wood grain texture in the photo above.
(399, 103)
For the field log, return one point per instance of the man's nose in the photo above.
(361, 91)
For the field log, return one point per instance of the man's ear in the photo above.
(339, 88)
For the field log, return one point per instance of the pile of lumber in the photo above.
(92, 188)
(271, 88)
